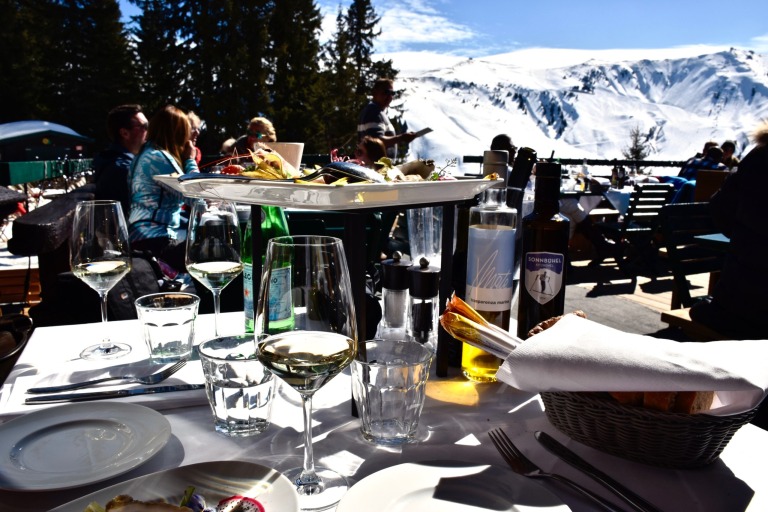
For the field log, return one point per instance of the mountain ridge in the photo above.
(678, 98)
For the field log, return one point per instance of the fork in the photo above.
(521, 465)
(128, 379)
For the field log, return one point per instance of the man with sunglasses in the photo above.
(127, 129)
(374, 120)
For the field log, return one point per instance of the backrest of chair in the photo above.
(646, 202)
(680, 223)
(707, 183)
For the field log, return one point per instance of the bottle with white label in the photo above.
(490, 266)
(544, 254)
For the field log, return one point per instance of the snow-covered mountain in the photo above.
(583, 104)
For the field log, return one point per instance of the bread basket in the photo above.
(664, 439)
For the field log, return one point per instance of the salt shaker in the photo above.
(424, 287)
(394, 296)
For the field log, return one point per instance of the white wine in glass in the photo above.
(305, 306)
(213, 247)
(100, 255)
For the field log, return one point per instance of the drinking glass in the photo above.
(100, 255)
(305, 306)
(213, 247)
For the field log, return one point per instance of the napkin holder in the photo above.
(664, 439)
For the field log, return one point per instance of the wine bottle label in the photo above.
(490, 267)
(248, 290)
(544, 273)
(280, 306)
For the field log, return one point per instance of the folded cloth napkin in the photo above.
(580, 355)
(192, 373)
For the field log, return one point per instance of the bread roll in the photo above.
(549, 322)
(688, 402)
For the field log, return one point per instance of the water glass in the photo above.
(238, 387)
(389, 382)
(168, 321)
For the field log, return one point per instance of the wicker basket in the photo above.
(665, 439)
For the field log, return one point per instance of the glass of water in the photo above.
(238, 387)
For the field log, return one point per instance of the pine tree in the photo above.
(295, 80)
(162, 55)
(26, 66)
(98, 66)
(340, 75)
(228, 67)
(638, 147)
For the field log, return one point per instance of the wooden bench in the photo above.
(14, 288)
(681, 319)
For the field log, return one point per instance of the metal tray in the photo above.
(327, 197)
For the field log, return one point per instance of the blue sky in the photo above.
(476, 28)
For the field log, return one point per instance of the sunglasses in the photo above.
(258, 135)
(389, 92)
(141, 126)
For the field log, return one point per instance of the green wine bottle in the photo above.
(273, 224)
(545, 253)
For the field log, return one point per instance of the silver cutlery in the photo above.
(633, 500)
(155, 378)
(101, 395)
(521, 465)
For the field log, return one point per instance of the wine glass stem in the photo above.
(216, 309)
(106, 342)
(308, 476)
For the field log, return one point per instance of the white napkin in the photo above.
(580, 355)
(191, 373)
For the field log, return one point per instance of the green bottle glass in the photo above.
(273, 224)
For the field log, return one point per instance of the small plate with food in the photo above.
(211, 486)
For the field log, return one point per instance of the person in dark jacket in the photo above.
(127, 129)
(738, 307)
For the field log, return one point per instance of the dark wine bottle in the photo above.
(545, 253)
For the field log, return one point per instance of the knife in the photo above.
(99, 395)
(554, 446)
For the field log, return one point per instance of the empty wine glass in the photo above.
(213, 247)
(100, 255)
(305, 306)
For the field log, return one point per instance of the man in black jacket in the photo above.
(739, 307)
(127, 128)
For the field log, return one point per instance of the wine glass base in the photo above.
(97, 352)
(318, 496)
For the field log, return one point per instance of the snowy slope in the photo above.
(583, 104)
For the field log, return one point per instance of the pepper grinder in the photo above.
(394, 296)
(424, 287)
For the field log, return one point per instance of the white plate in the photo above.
(76, 444)
(327, 197)
(212, 480)
(447, 486)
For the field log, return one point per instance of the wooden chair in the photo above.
(707, 183)
(634, 234)
(680, 223)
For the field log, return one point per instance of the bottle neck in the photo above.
(547, 196)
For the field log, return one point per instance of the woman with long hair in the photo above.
(155, 216)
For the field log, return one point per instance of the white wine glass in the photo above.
(213, 247)
(100, 255)
(305, 306)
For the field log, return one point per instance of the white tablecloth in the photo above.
(454, 426)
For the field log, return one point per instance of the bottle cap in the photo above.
(547, 170)
(395, 272)
(424, 280)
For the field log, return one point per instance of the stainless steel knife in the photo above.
(100, 395)
(554, 446)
